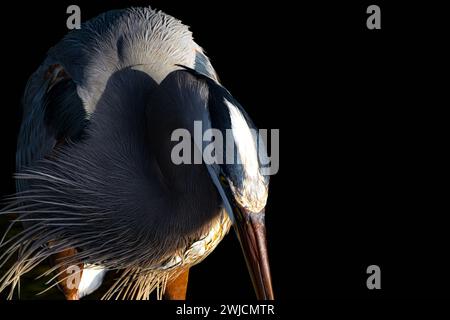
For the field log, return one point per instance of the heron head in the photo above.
(238, 170)
(242, 182)
(246, 190)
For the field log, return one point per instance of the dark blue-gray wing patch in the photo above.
(64, 112)
(53, 114)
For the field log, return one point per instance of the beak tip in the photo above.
(252, 236)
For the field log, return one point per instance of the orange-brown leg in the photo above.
(68, 277)
(176, 288)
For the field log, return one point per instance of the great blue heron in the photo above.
(97, 189)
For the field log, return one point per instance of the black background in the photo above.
(359, 182)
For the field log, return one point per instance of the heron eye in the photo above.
(223, 180)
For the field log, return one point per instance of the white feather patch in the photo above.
(254, 194)
(91, 279)
(243, 139)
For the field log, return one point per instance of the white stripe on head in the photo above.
(253, 195)
(244, 141)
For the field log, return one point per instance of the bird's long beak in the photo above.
(251, 231)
